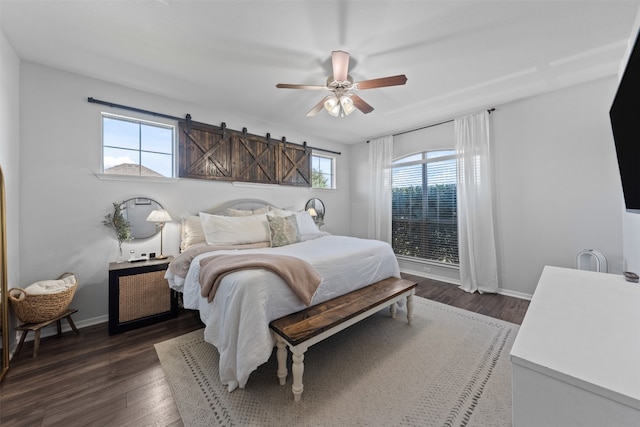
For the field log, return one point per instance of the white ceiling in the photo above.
(459, 56)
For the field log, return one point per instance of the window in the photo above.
(424, 207)
(136, 147)
(323, 171)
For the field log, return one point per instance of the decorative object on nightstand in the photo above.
(160, 217)
(139, 295)
(120, 225)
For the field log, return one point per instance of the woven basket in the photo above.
(41, 308)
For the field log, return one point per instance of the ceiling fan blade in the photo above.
(318, 107)
(340, 61)
(291, 86)
(400, 79)
(360, 104)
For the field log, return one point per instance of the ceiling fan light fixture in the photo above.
(332, 105)
(347, 104)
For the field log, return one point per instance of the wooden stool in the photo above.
(36, 327)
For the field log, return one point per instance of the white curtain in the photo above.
(477, 248)
(380, 159)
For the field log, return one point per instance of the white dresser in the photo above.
(576, 359)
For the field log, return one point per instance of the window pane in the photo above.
(136, 147)
(155, 164)
(157, 139)
(120, 133)
(120, 161)
(322, 173)
(424, 208)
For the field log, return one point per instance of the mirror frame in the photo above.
(4, 297)
(144, 205)
(318, 205)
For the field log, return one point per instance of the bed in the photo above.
(237, 318)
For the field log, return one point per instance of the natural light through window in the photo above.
(323, 171)
(137, 147)
(424, 207)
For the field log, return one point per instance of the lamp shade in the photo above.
(347, 104)
(312, 212)
(159, 215)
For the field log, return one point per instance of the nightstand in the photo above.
(139, 295)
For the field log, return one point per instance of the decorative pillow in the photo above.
(283, 230)
(306, 225)
(192, 231)
(234, 230)
(281, 212)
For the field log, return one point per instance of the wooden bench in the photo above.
(36, 327)
(305, 328)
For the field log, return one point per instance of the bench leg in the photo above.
(393, 308)
(281, 356)
(297, 369)
(410, 307)
(36, 343)
(73, 325)
(22, 337)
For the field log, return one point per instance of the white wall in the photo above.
(10, 152)
(63, 203)
(557, 184)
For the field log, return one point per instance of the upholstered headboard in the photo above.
(239, 204)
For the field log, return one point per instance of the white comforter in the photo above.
(237, 320)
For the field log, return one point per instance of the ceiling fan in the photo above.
(343, 101)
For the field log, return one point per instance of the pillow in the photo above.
(238, 212)
(192, 231)
(283, 230)
(234, 230)
(241, 212)
(306, 224)
(281, 212)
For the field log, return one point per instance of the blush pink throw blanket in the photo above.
(301, 277)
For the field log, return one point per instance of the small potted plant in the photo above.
(120, 225)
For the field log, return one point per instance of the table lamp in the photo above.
(159, 216)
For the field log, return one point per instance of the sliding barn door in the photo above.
(217, 153)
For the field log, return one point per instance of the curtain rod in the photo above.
(166, 116)
(490, 110)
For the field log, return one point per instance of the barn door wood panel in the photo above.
(254, 159)
(204, 152)
(294, 165)
(218, 153)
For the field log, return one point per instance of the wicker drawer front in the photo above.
(143, 295)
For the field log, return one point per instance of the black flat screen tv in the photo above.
(625, 123)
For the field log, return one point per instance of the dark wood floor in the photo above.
(97, 379)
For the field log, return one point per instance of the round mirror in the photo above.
(136, 211)
(318, 210)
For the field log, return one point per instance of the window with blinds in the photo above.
(424, 207)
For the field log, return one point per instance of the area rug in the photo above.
(450, 367)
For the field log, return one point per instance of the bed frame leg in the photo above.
(281, 355)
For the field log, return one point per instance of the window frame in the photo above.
(334, 181)
(425, 160)
(170, 125)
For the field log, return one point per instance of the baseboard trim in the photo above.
(52, 330)
(515, 294)
(501, 291)
(431, 276)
